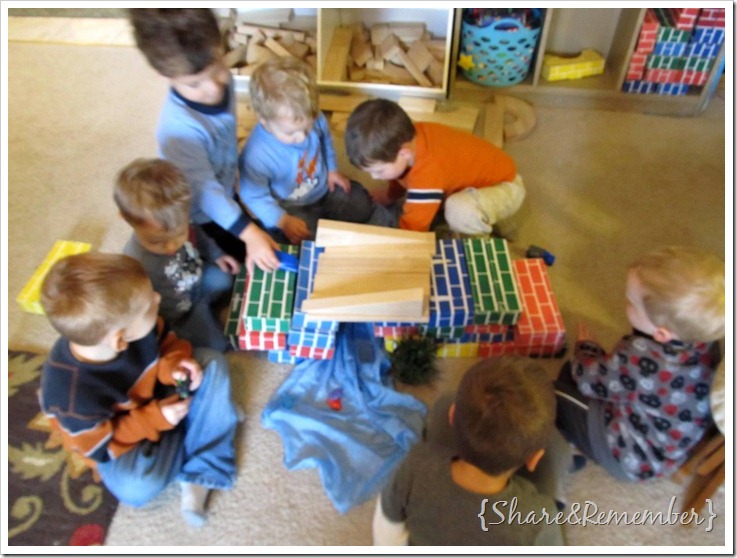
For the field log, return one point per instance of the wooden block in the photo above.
(375, 63)
(388, 263)
(379, 32)
(494, 124)
(411, 247)
(276, 48)
(436, 72)
(407, 32)
(257, 53)
(246, 70)
(356, 74)
(463, 117)
(339, 233)
(417, 104)
(437, 48)
(343, 103)
(397, 75)
(236, 56)
(420, 56)
(519, 117)
(336, 60)
(389, 46)
(258, 30)
(311, 59)
(296, 49)
(360, 51)
(339, 284)
(267, 16)
(414, 70)
(339, 122)
(407, 303)
(312, 43)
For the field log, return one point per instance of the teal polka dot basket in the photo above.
(498, 55)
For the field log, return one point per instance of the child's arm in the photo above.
(387, 532)
(335, 177)
(598, 374)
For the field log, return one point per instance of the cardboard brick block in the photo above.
(493, 287)
(233, 318)
(30, 296)
(708, 35)
(269, 299)
(451, 299)
(308, 259)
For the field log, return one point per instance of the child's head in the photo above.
(284, 96)
(153, 196)
(184, 45)
(378, 139)
(93, 298)
(677, 292)
(504, 413)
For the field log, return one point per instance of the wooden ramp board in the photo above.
(389, 263)
(413, 248)
(339, 284)
(339, 233)
(409, 303)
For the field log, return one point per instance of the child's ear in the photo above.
(406, 151)
(533, 461)
(116, 340)
(452, 414)
(663, 335)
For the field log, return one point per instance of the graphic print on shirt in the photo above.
(306, 179)
(184, 271)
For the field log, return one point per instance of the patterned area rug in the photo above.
(54, 499)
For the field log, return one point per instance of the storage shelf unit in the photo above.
(612, 32)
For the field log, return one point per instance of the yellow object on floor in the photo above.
(588, 63)
(30, 297)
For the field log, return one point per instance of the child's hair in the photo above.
(284, 82)
(683, 291)
(153, 190)
(177, 41)
(86, 296)
(504, 413)
(376, 131)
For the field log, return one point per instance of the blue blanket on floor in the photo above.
(343, 417)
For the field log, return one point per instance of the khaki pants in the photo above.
(476, 210)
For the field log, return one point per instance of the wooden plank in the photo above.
(411, 247)
(361, 51)
(420, 56)
(389, 264)
(463, 117)
(494, 124)
(412, 69)
(277, 49)
(342, 103)
(336, 60)
(389, 47)
(339, 233)
(402, 301)
(417, 104)
(355, 282)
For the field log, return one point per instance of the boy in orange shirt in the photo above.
(434, 165)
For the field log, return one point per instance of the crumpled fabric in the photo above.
(343, 417)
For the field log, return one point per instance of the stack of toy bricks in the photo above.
(482, 303)
(676, 50)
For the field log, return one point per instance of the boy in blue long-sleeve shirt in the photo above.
(288, 169)
(197, 126)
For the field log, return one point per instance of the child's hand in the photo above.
(584, 333)
(174, 409)
(295, 228)
(259, 249)
(336, 178)
(189, 368)
(228, 264)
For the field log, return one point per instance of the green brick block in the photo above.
(662, 62)
(671, 34)
(234, 310)
(269, 298)
(495, 295)
(698, 64)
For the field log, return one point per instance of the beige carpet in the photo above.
(603, 187)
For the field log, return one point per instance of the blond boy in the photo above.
(639, 409)
(288, 168)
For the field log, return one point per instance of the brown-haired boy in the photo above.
(108, 386)
(432, 166)
(154, 198)
(197, 126)
(502, 420)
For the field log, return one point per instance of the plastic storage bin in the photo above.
(499, 54)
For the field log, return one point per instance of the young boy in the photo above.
(153, 196)
(197, 126)
(108, 386)
(288, 169)
(502, 420)
(639, 410)
(431, 165)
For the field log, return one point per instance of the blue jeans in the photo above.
(199, 450)
(200, 326)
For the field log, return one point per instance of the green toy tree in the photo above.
(413, 360)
